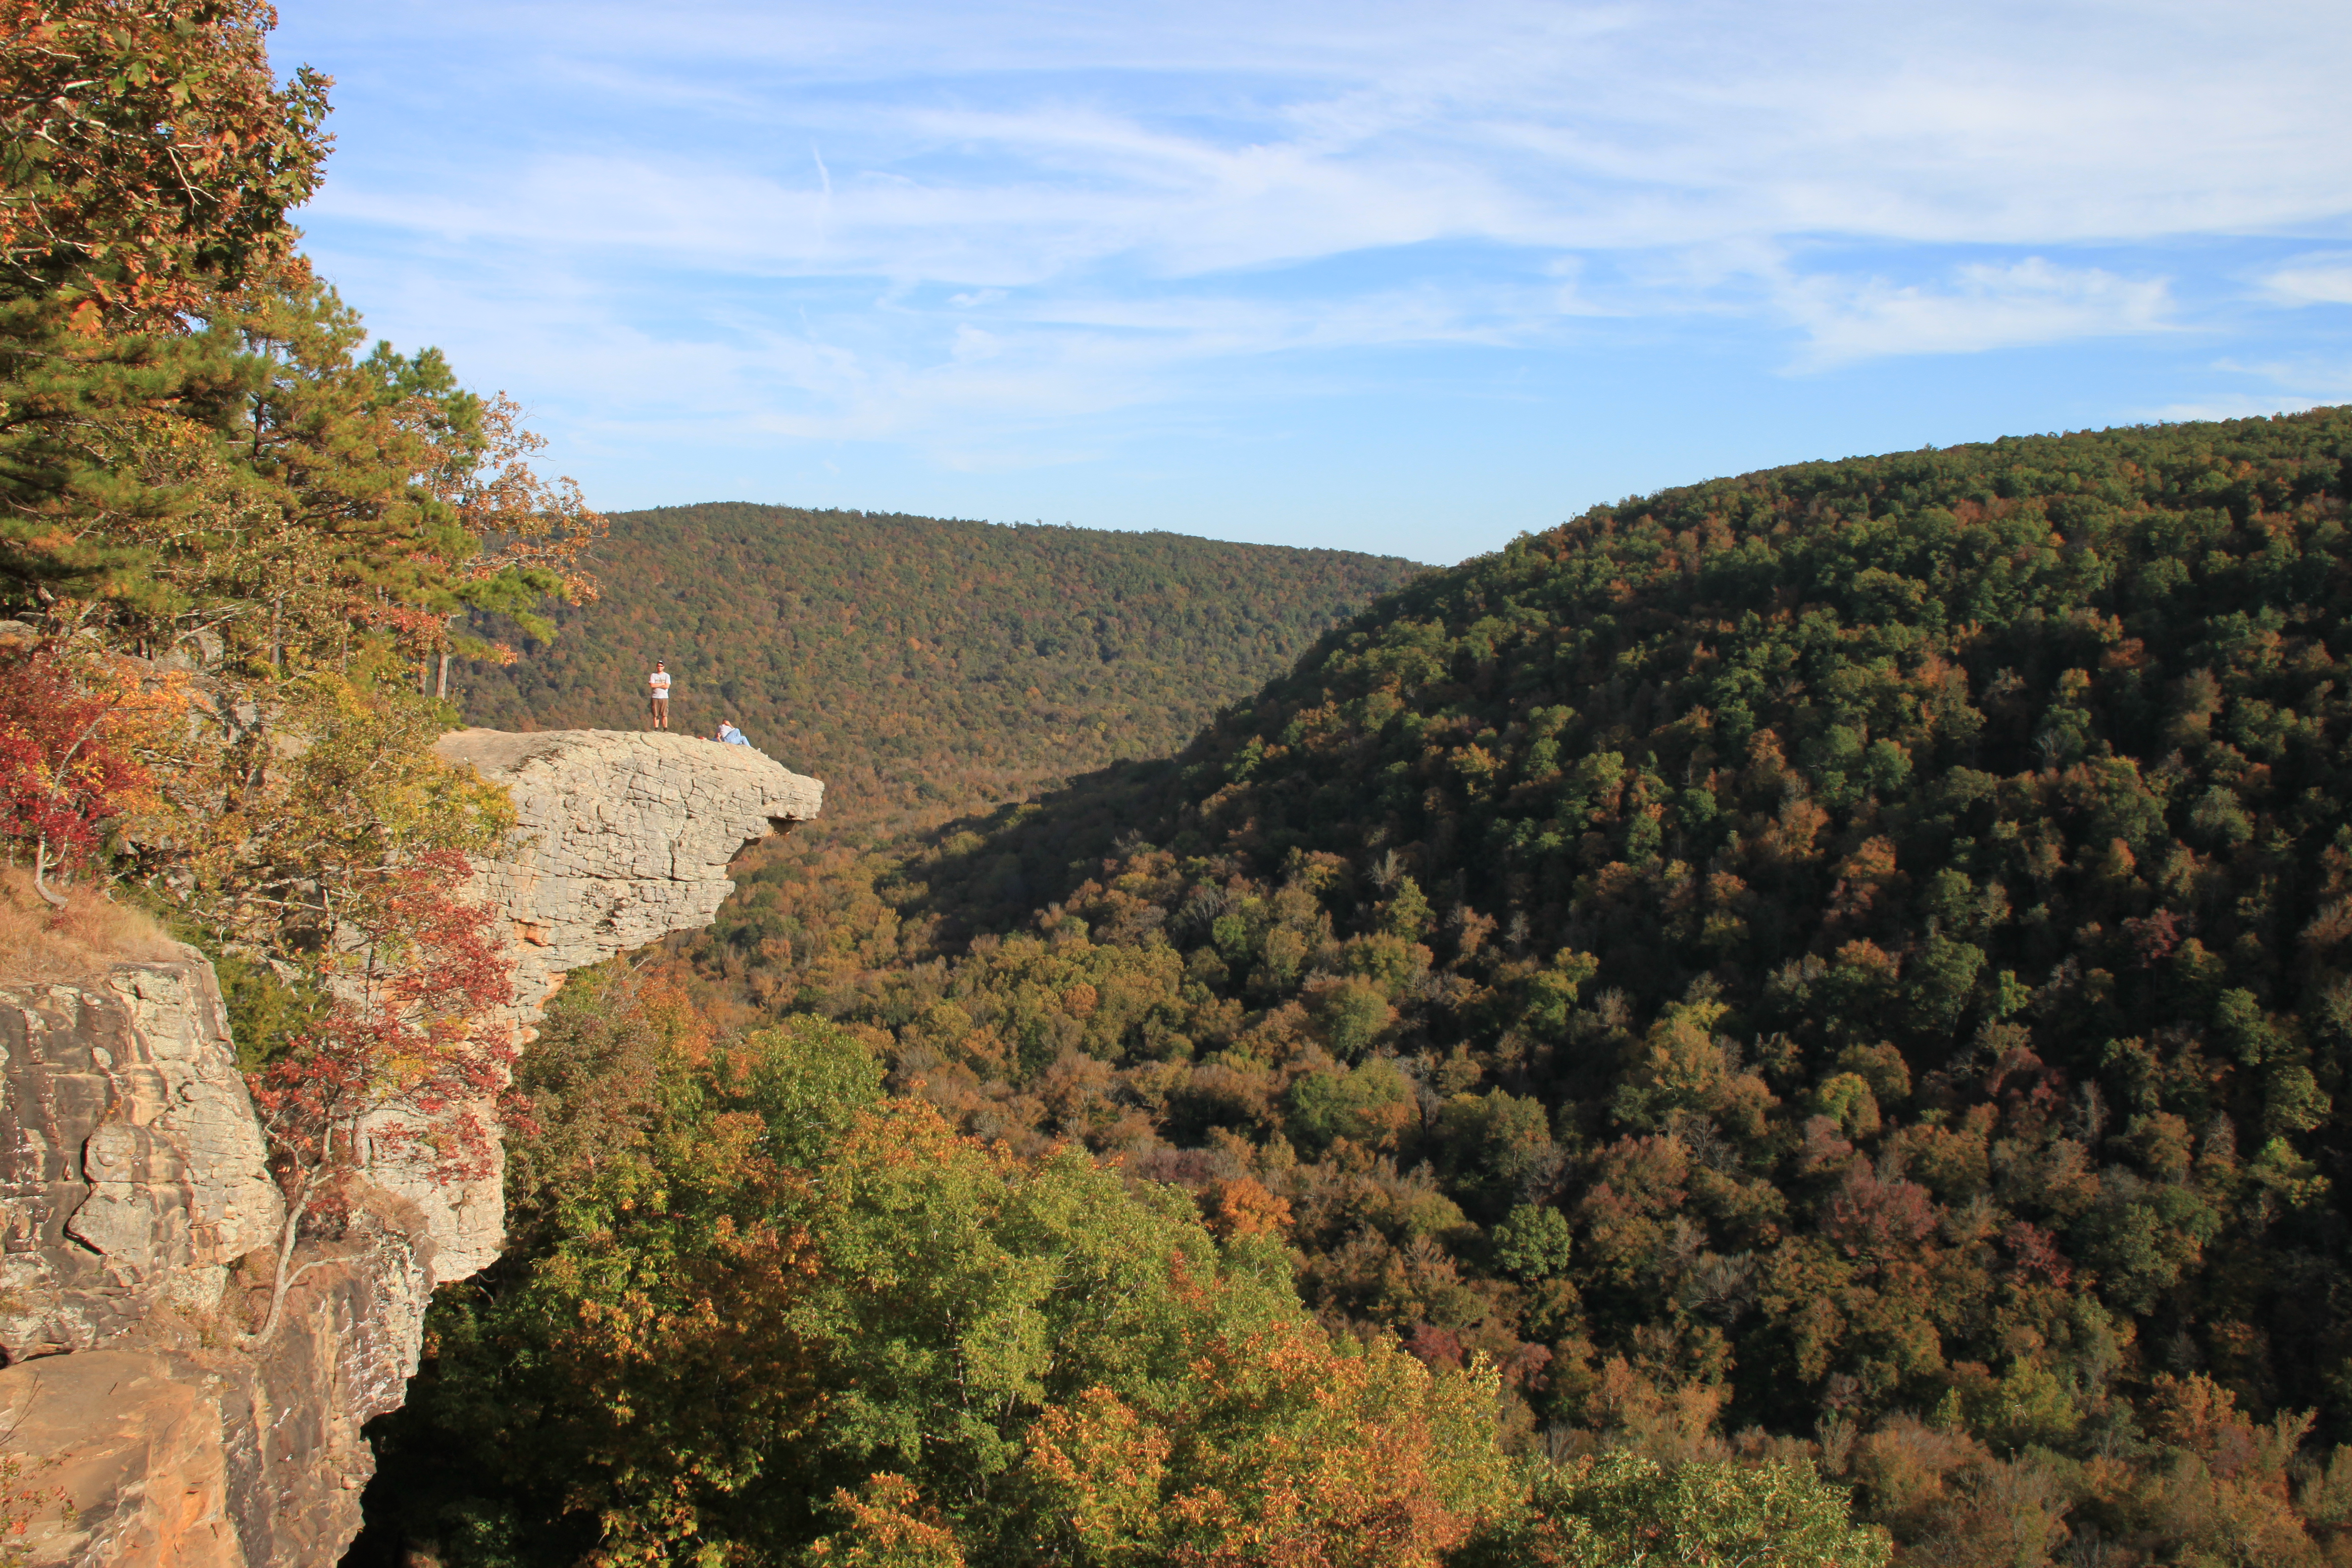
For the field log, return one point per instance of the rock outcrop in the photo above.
(131, 1165)
(620, 840)
(132, 1174)
(135, 1178)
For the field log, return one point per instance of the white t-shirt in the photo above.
(659, 682)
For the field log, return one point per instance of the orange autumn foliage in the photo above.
(1282, 1450)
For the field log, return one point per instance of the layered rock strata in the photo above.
(131, 1168)
(133, 1180)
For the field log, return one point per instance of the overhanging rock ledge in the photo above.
(620, 838)
(134, 1177)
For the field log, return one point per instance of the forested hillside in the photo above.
(1772, 872)
(910, 661)
(764, 1314)
(1846, 963)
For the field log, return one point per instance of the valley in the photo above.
(1837, 957)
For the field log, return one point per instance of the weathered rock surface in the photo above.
(131, 1168)
(175, 1448)
(620, 840)
(132, 1178)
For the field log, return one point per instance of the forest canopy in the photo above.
(1799, 1018)
(1851, 954)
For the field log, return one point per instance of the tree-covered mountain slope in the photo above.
(1838, 971)
(1858, 937)
(910, 659)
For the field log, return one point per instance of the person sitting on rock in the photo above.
(729, 735)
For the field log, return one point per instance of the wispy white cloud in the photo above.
(980, 232)
(2312, 281)
(980, 378)
(2243, 405)
(1985, 306)
(993, 143)
(2311, 378)
(2285, 385)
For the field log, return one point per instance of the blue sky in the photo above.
(1405, 278)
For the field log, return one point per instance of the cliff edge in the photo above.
(133, 1180)
(621, 838)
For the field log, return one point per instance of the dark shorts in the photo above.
(660, 705)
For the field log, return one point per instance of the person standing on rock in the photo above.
(659, 705)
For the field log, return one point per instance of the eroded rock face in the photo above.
(132, 1177)
(131, 1168)
(176, 1446)
(620, 840)
(622, 837)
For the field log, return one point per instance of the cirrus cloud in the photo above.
(992, 234)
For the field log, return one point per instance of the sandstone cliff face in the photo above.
(132, 1177)
(131, 1165)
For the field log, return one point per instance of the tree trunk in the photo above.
(282, 1281)
(40, 875)
(442, 691)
